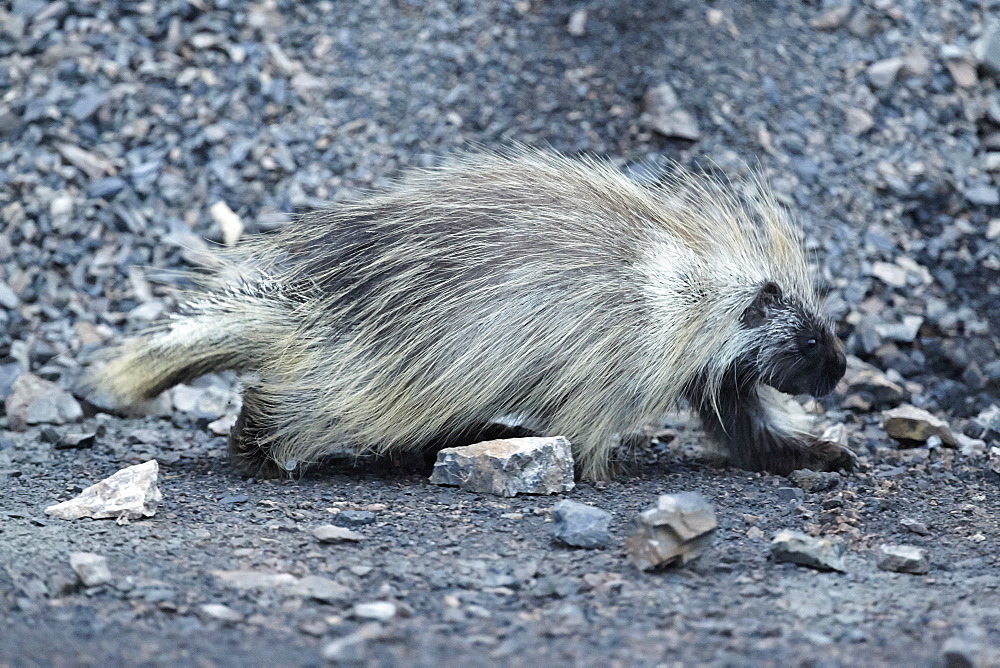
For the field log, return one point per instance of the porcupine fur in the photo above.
(517, 282)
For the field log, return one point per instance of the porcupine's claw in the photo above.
(831, 456)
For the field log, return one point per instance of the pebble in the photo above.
(986, 50)
(832, 18)
(814, 481)
(353, 518)
(903, 559)
(34, 400)
(321, 589)
(76, 441)
(508, 467)
(983, 195)
(904, 331)
(380, 611)
(329, 533)
(798, 548)
(222, 613)
(230, 224)
(579, 525)
(665, 115)
(92, 569)
(914, 526)
(858, 121)
(577, 25)
(127, 495)
(352, 647)
(882, 74)
(678, 528)
(908, 423)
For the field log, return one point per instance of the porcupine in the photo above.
(514, 282)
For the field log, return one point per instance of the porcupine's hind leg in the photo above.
(760, 435)
(249, 449)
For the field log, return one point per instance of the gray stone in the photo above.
(984, 195)
(832, 18)
(380, 611)
(814, 481)
(352, 647)
(128, 494)
(91, 99)
(508, 467)
(580, 525)
(34, 400)
(798, 548)
(986, 50)
(914, 526)
(665, 116)
(903, 559)
(207, 403)
(222, 613)
(904, 331)
(329, 533)
(960, 652)
(678, 528)
(882, 74)
(321, 589)
(873, 384)
(76, 441)
(92, 569)
(353, 518)
(790, 494)
(908, 423)
(8, 299)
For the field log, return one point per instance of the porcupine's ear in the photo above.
(756, 313)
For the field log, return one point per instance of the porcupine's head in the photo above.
(795, 349)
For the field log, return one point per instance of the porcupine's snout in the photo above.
(831, 370)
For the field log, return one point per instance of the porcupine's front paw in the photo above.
(830, 456)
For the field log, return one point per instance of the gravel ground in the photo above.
(122, 124)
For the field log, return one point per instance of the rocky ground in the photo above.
(124, 125)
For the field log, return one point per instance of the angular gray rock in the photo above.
(665, 115)
(814, 481)
(910, 423)
(580, 525)
(903, 559)
(678, 528)
(34, 400)
(127, 495)
(798, 548)
(329, 533)
(92, 569)
(508, 467)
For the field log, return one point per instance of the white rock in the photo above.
(379, 611)
(127, 495)
(903, 559)
(92, 569)
(328, 533)
(798, 548)
(223, 613)
(351, 648)
(577, 25)
(507, 467)
(230, 223)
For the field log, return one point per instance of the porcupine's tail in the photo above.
(235, 330)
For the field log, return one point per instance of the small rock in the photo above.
(903, 559)
(222, 613)
(34, 400)
(962, 72)
(223, 425)
(986, 50)
(580, 525)
(790, 494)
(508, 467)
(870, 382)
(908, 423)
(321, 589)
(354, 518)
(904, 332)
(351, 648)
(577, 24)
(983, 195)
(92, 569)
(329, 533)
(678, 527)
(8, 299)
(127, 495)
(380, 611)
(968, 446)
(205, 403)
(814, 481)
(256, 581)
(230, 223)
(914, 526)
(858, 121)
(891, 274)
(665, 115)
(798, 548)
(76, 441)
(882, 74)
(91, 99)
(832, 18)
